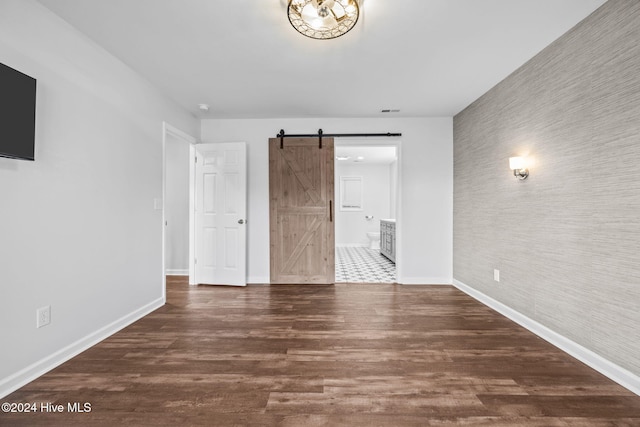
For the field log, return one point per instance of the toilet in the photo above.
(374, 239)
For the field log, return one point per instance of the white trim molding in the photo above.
(170, 272)
(607, 368)
(424, 280)
(21, 378)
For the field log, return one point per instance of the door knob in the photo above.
(241, 221)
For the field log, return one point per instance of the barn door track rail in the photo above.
(321, 134)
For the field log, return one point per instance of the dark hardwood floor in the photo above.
(313, 355)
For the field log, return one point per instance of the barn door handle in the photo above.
(330, 210)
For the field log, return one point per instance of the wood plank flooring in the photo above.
(317, 355)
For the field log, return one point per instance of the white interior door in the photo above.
(220, 212)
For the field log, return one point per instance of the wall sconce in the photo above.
(517, 165)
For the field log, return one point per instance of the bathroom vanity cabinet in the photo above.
(388, 238)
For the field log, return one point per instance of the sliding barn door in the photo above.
(301, 218)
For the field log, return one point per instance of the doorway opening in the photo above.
(367, 194)
(177, 149)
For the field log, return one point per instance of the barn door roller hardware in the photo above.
(321, 134)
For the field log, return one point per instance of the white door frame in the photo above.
(385, 142)
(169, 130)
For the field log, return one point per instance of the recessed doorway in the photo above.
(367, 191)
(177, 149)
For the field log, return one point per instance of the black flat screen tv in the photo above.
(17, 114)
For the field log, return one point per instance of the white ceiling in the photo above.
(424, 57)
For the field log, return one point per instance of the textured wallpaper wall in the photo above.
(567, 239)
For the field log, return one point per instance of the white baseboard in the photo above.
(258, 280)
(352, 245)
(170, 272)
(19, 379)
(424, 281)
(607, 368)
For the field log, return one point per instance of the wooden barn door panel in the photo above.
(301, 222)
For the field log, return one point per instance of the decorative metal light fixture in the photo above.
(323, 19)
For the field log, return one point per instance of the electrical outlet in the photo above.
(43, 316)
(496, 275)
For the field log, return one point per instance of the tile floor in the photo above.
(363, 265)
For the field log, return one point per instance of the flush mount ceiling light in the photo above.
(323, 19)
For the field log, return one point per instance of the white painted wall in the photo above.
(78, 229)
(351, 226)
(176, 205)
(426, 163)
